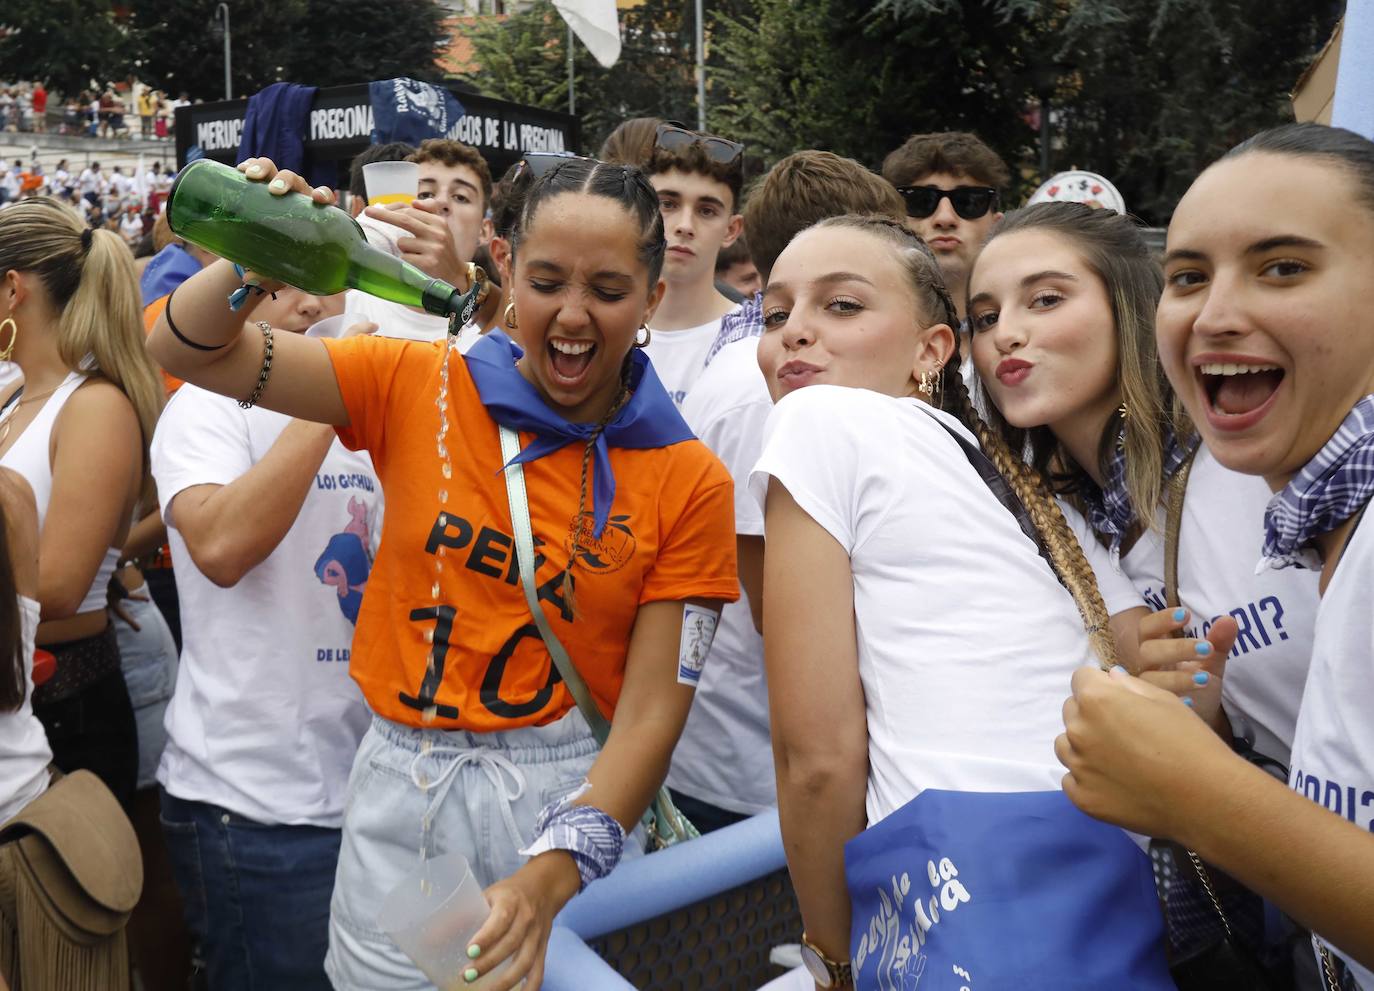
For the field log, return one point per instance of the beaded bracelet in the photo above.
(266, 369)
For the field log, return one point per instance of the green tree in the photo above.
(361, 40)
(317, 42)
(1163, 92)
(840, 76)
(68, 43)
(181, 47)
(524, 58)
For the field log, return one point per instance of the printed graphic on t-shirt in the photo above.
(1260, 622)
(346, 562)
(444, 635)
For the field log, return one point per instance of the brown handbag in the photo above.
(70, 875)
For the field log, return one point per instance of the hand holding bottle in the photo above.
(279, 183)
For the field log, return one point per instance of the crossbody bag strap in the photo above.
(663, 822)
(1173, 522)
(1003, 492)
(524, 555)
(1175, 490)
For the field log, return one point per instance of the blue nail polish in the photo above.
(1203, 649)
(1117, 668)
(1188, 701)
(1201, 678)
(1180, 615)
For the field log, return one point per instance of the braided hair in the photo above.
(1070, 565)
(628, 186)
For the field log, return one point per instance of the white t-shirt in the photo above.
(1333, 749)
(24, 752)
(131, 228)
(90, 181)
(725, 754)
(1219, 540)
(680, 355)
(966, 640)
(1115, 586)
(395, 320)
(265, 720)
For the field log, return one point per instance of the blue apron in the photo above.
(964, 891)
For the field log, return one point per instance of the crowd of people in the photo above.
(928, 519)
(112, 111)
(125, 199)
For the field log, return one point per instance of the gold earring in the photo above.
(648, 336)
(1121, 439)
(7, 351)
(926, 384)
(509, 316)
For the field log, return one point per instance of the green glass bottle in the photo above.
(319, 249)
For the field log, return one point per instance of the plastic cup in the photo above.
(432, 914)
(330, 326)
(391, 182)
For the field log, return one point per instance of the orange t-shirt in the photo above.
(150, 314)
(671, 537)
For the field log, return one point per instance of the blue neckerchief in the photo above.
(1109, 508)
(648, 419)
(1329, 490)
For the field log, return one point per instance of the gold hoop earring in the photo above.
(7, 351)
(509, 316)
(648, 336)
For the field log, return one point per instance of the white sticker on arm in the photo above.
(698, 630)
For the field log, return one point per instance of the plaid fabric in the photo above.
(1329, 490)
(744, 321)
(1109, 509)
(594, 839)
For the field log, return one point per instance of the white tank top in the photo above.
(24, 753)
(29, 457)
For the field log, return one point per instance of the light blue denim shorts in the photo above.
(148, 658)
(482, 793)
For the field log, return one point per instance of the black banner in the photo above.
(341, 126)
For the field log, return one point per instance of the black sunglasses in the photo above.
(671, 135)
(969, 202)
(541, 163)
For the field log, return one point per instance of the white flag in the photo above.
(597, 24)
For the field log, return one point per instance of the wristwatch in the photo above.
(825, 972)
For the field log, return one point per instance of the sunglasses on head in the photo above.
(969, 202)
(541, 163)
(671, 136)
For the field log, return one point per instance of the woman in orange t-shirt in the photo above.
(634, 555)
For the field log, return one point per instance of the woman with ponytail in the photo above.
(925, 602)
(78, 431)
(477, 745)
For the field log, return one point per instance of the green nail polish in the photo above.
(278, 184)
(474, 951)
(470, 974)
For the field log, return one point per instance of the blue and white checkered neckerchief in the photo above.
(1329, 490)
(746, 320)
(1109, 508)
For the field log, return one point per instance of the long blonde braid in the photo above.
(1070, 564)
